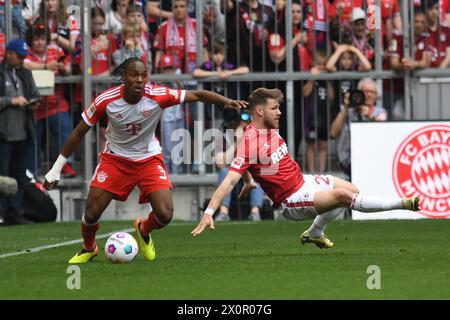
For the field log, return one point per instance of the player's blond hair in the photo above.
(260, 96)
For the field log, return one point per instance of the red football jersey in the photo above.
(441, 39)
(422, 43)
(265, 155)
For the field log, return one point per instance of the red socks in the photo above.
(88, 232)
(150, 224)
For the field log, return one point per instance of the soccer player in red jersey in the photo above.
(263, 155)
(132, 154)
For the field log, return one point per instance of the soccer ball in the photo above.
(121, 247)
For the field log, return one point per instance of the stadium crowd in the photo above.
(239, 36)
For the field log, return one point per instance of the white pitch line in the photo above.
(57, 245)
(101, 236)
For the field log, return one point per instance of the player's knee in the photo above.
(342, 196)
(165, 214)
(354, 188)
(89, 216)
(92, 214)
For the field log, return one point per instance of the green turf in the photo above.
(238, 261)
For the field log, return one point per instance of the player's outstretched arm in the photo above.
(213, 98)
(74, 140)
(222, 191)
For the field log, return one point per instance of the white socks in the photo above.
(361, 203)
(321, 221)
(374, 204)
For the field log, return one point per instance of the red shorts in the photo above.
(120, 175)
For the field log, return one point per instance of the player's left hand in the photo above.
(206, 221)
(237, 104)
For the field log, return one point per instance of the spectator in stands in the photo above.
(116, 17)
(157, 12)
(424, 48)
(53, 112)
(347, 58)
(317, 25)
(251, 21)
(440, 35)
(444, 9)
(213, 21)
(218, 67)
(103, 45)
(342, 10)
(237, 122)
(135, 15)
(360, 38)
(171, 119)
(340, 127)
(390, 14)
(18, 22)
(319, 94)
(132, 46)
(391, 19)
(19, 97)
(54, 15)
(178, 36)
(277, 48)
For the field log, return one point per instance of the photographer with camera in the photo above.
(19, 98)
(237, 121)
(358, 106)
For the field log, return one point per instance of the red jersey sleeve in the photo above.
(166, 97)
(92, 114)
(241, 162)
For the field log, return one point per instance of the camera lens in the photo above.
(245, 116)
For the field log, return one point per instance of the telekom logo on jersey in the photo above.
(134, 128)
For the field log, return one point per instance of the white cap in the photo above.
(358, 14)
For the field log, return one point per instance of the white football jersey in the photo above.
(131, 128)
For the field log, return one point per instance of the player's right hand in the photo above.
(206, 221)
(51, 180)
(237, 104)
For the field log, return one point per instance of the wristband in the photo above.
(59, 163)
(209, 211)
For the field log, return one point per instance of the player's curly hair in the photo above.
(118, 72)
(259, 97)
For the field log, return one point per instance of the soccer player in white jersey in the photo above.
(132, 155)
(263, 155)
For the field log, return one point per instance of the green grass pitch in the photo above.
(237, 261)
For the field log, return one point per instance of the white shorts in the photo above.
(300, 205)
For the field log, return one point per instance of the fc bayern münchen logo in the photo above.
(421, 168)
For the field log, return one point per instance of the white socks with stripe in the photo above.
(374, 203)
(361, 203)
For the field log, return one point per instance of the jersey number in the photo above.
(163, 173)
(324, 179)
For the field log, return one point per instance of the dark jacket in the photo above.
(30, 91)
